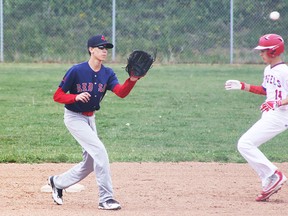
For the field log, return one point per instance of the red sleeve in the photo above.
(257, 90)
(61, 97)
(123, 90)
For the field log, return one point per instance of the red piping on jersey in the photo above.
(123, 90)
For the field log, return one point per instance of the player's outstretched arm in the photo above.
(123, 90)
(237, 85)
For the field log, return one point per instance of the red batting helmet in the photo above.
(273, 43)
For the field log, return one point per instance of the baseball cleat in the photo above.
(110, 204)
(263, 197)
(56, 192)
(272, 185)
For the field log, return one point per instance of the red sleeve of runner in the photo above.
(61, 97)
(123, 90)
(257, 90)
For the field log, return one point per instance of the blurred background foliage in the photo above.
(182, 31)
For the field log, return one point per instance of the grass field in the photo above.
(176, 113)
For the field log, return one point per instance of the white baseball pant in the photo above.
(271, 124)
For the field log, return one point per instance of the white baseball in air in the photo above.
(275, 15)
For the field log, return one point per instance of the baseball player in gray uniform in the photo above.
(274, 118)
(81, 90)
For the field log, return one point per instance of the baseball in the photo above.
(274, 15)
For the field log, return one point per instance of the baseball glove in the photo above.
(139, 62)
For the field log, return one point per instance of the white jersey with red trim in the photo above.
(275, 82)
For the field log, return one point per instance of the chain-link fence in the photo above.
(182, 31)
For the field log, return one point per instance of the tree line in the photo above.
(184, 31)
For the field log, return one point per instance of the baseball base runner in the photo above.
(274, 118)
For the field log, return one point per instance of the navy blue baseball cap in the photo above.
(99, 40)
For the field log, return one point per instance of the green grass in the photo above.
(176, 113)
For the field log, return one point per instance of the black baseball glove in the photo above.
(139, 62)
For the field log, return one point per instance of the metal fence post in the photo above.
(1, 32)
(231, 32)
(113, 28)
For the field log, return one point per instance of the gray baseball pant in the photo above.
(95, 157)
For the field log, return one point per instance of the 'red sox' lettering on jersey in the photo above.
(101, 87)
(81, 78)
(83, 87)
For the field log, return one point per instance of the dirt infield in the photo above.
(144, 189)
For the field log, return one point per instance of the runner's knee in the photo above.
(244, 144)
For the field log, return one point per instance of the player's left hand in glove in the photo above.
(270, 105)
(139, 62)
(234, 85)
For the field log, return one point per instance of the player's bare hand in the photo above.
(233, 85)
(83, 97)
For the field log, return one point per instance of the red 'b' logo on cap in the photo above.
(103, 38)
